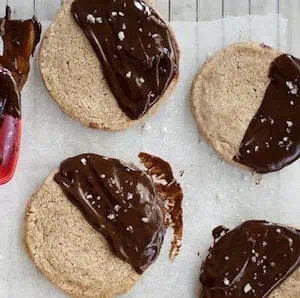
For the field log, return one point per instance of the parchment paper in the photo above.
(215, 192)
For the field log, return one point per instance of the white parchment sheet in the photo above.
(215, 193)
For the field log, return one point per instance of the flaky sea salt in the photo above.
(247, 288)
(83, 161)
(128, 74)
(99, 20)
(292, 87)
(129, 229)
(121, 35)
(117, 208)
(145, 219)
(226, 281)
(90, 19)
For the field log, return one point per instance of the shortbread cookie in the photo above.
(256, 259)
(98, 223)
(88, 84)
(245, 102)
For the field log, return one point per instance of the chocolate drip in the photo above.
(135, 48)
(170, 192)
(272, 140)
(120, 202)
(19, 42)
(250, 261)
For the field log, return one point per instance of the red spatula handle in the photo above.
(10, 137)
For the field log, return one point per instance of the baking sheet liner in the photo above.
(215, 192)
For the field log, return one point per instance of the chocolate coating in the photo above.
(20, 38)
(120, 202)
(19, 42)
(250, 260)
(170, 192)
(272, 140)
(10, 99)
(135, 48)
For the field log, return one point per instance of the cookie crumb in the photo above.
(146, 126)
(258, 181)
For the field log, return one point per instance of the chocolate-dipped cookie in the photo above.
(98, 223)
(246, 103)
(109, 64)
(256, 259)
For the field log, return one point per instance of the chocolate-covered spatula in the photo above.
(19, 41)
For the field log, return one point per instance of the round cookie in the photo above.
(68, 251)
(290, 288)
(73, 76)
(227, 93)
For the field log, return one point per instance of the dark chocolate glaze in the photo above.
(170, 192)
(9, 95)
(135, 48)
(120, 202)
(20, 38)
(250, 260)
(272, 140)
